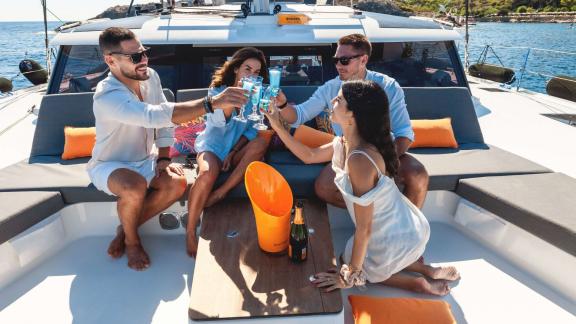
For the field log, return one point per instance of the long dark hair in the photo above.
(226, 75)
(371, 110)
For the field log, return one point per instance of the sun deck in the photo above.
(515, 121)
(75, 281)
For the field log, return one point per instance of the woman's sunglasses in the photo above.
(345, 60)
(136, 57)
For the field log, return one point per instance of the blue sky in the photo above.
(31, 10)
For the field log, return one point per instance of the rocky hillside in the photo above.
(113, 12)
(381, 6)
(483, 8)
(120, 11)
(479, 8)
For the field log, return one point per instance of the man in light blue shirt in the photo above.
(351, 58)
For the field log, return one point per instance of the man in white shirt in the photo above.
(351, 58)
(133, 136)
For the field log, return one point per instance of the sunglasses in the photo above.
(136, 57)
(345, 60)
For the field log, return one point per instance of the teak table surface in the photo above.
(233, 278)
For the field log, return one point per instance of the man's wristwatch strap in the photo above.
(208, 105)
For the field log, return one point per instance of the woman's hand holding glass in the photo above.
(273, 115)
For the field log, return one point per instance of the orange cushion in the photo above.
(78, 142)
(433, 133)
(372, 310)
(312, 137)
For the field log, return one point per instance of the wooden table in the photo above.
(233, 278)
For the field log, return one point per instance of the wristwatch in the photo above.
(208, 105)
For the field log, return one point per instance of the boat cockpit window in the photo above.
(188, 67)
(83, 67)
(418, 64)
(413, 64)
(299, 69)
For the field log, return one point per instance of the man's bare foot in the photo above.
(434, 287)
(137, 258)
(214, 197)
(446, 273)
(117, 246)
(191, 244)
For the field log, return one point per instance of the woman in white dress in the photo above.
(391, 233)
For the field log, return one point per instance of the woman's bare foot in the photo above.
(191, 244)
(446, 273)
(117, 245)
(137, 258)
(214, 197)
(434, 287)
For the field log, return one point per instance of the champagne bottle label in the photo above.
(304, 254)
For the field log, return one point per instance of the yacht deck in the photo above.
(514, 121)
(78, 282)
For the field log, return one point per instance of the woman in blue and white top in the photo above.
(226, 143)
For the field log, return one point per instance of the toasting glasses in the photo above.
(247, 84)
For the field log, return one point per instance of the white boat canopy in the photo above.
(219, 26)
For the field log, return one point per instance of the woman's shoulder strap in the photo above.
(369, 158)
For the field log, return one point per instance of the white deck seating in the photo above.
(45, 171)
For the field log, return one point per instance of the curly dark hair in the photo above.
(369, 105)
(226, 76)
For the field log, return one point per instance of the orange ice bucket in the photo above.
(271, 199)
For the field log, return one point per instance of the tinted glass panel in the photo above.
(80, 68)
(299, 69)
(417, 64)
(84, 68)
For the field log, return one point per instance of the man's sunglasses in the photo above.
(345, 60)
(135, 57)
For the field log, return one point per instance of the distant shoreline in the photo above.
(543, 17)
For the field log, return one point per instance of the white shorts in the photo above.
(100, 173)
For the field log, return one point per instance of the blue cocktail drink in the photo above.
(247, 84)
(256, 94)
(264, 106)
(275, 74)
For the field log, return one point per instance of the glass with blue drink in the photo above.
(275, 74)
(256, 94)
(248, 85)
(264, 106)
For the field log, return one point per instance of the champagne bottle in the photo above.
(297, 249)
